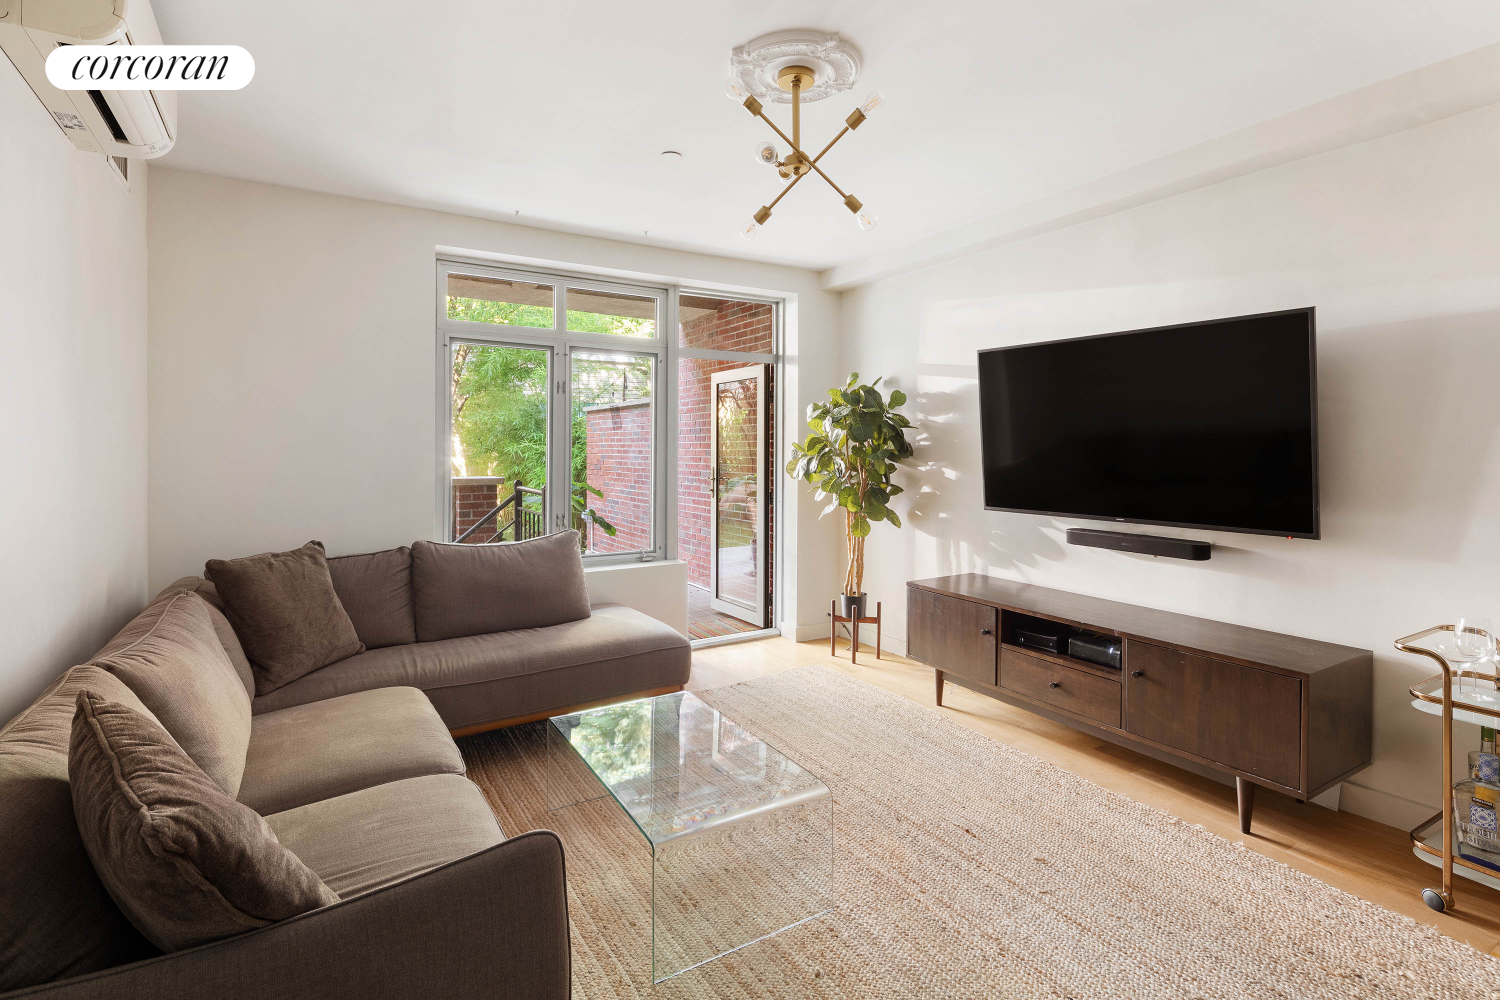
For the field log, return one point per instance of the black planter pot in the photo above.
(852, 608)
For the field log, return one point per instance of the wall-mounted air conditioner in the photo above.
(140, 123)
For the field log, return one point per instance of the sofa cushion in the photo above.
(484, 678)
(375, 590)
(170, 656)
(56, 918)
(326, 748)
(284, 609)
(476, 589)
(371, 838)
(222, 628)
(184, 861)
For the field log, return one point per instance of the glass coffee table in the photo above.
(741, 836)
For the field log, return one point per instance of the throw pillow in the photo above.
(285, 611)
(171, 657)
(185, 863)
(477, 589)
(375, 589)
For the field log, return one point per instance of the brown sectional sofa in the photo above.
(354, 768)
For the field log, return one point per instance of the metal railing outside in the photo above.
(525, 521)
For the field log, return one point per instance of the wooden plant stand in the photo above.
(854, 624)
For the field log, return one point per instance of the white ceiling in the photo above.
(559, 110)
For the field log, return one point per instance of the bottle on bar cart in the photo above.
(1475, 802)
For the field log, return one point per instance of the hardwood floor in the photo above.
(1360, 856)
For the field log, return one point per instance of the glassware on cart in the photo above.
(1473, 654)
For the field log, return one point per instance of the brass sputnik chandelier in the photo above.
(797, 80)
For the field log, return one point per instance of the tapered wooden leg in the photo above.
(939, 688)
(1245, 790)
(833, 626)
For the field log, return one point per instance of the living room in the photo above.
(480, 531)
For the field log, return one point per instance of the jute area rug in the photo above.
(966, 868)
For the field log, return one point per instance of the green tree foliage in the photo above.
(500, 412)
(849, 458)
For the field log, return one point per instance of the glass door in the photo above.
(738, 507)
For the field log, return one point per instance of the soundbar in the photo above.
(1150, 545)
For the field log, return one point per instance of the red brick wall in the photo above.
(619, 466)
(474, 497)
(732, 326)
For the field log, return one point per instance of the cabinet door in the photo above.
(955, 636)
(1242, 717)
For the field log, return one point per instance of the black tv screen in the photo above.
(1204, 425)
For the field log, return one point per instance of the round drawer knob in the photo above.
(1054, 684)
(1138, 673)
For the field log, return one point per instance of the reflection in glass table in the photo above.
(741, 836)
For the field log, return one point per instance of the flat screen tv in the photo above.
(1203, 425)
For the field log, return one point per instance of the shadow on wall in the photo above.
(944, 489)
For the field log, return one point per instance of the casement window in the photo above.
(555, 409)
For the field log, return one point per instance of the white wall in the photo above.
(1397, 243)
(658, 589)
(293, 380)
(72, 399)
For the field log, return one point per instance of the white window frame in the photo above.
(562, 343)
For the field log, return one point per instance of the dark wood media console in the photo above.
(1291, 714)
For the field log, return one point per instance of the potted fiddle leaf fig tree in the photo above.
(857, 438)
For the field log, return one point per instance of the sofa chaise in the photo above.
(353, 767)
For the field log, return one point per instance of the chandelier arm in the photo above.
(829, 180)
(842, 133)
(762, 116)
(785, 190)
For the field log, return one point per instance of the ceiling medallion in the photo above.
(755, 65)
(789, 67)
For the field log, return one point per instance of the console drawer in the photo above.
(1069, 689)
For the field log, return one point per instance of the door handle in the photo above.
(1138, 673)
(1054, 684)
(984, 631)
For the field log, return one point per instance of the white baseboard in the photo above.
(804, 633)
(1383, 807)
(888, 642)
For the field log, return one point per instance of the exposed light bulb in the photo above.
(867, 219)
(749, 228)
(735, 92)
(766, 153)
(875, 100)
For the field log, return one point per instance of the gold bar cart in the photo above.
(1436, 696)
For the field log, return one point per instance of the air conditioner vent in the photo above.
(108, 116)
